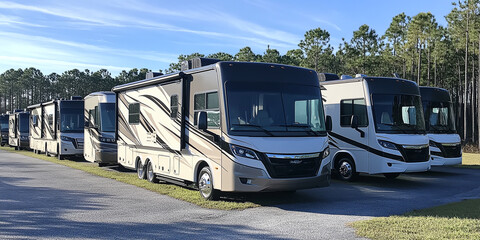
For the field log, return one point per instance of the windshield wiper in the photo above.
(304, 126)
(253, 125)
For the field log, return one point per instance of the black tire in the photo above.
(346, 169)
(150, 174)
(391, 175)
(102, 164)
(205, 185)
(140, 170)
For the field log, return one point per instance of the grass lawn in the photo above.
(230, 202)
(470, 160)
(459, 220)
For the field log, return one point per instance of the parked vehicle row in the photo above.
(249, 127)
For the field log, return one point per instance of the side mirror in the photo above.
(86, 124)
(328, 123)
(202, 120)
(354, 121)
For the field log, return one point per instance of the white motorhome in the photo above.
(226, 126)
(99, 132)
(18, 134)
(56, 127)
(4, 118)
(377, 126)
(445, 143)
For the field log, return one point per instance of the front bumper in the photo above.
(248, 179)
(441, 161)
(106, 156)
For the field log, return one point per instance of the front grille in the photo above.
(292, 168)
(415, 155)
(78, 143)
(451, 151)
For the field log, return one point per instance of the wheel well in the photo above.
(200, 165)
(340, 156)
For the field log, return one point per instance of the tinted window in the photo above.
(134, 113)
(107, 117)
(174, 106)
(71, 120)
(351, 107)
(207, 102)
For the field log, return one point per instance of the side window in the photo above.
(207, 102)
(96, 117)
(174, 106)
(351, 107)
(90, 117)
(51, 123)
(34, 120)
(134, 113)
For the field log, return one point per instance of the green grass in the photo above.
(470, 160)
(230, 202)
(459, 220)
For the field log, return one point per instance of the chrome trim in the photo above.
(450, 144)
(415, 146)
(293, 156)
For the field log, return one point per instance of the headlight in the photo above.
(432, 144)
(243, 152)
(386, 144)
(107, 140)
(326, 152)
(65, 138)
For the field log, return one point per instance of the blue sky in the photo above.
(55, 36)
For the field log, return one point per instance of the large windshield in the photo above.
(265, 109)
(439, 117)
(71, 120)
(398, 113)
(107, 117)
(23, 125)
(4, 123)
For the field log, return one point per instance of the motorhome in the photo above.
(18, 134)
(377, 126)
(445, 143)
(56, 127)
(4, 129)
(226, 126)
(99, 132)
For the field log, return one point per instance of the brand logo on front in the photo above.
(295, 161)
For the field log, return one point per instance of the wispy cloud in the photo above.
(13, 21)
(328, 23)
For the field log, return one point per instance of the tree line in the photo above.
(414, 47)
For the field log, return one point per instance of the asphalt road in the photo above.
(43, 200)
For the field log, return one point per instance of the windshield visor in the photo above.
(398, 114)
(265, 109)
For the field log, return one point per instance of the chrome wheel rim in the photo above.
(150, 172)
(140, 169)
(345, 169)
(205, 185)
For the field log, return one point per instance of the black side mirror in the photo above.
(202, 120)
(86, 124)
(328, 123)
(354, 121)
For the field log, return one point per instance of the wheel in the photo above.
(150, 174)
(346, 169)
(391, 175)
(205, 184)
(102, 164)
(140, 170)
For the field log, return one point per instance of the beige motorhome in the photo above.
(99, 131)
(18, 134)
(226, 126)
(56, 127)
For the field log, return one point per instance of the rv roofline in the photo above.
(362, 79)
(439, 88)
(160, 79)
(99, 94)
(50, 102)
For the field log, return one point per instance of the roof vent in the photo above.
(152, 74)
(343, 77)
(76, 98)
(359, 75)
(197, 62)
(327, 77)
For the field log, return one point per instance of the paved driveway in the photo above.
(42, 200)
